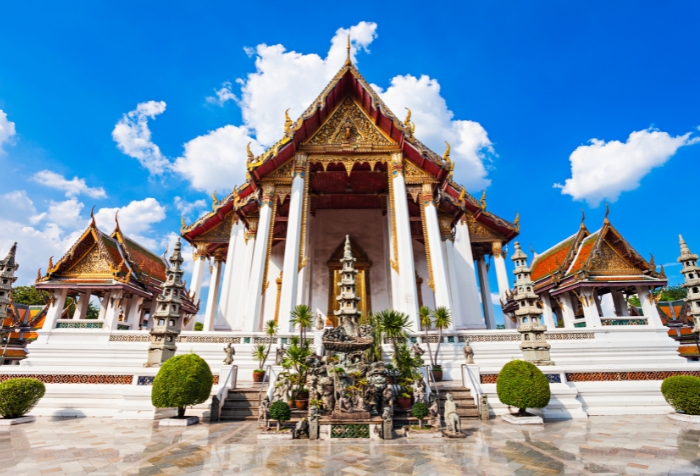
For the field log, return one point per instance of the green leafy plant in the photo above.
(19, 395)
(295, 359)
(420, 411)
(316, 403)
(198, 326)
(280, 411)
(441, 320)
(682, 392)
(182, 381)
(374, 353)
(260, 355)
(522, 385)
(394, 325)
(426, 322)
(302, 317)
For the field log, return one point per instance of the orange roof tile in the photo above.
(145, 260)
(583, 253)
(549, 261)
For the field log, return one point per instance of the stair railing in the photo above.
(268, 372)
(226, 385)
(431, 376)
(474, 386)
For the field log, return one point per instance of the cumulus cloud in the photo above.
(136, 220)
(186, 208)
(72, 188)
(66, 214)
(7, 129)
(133, 137)
(222, 95)
(603, 170)
(435, 124)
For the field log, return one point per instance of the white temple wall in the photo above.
(422, 269)
(367, 228)
(273, 272)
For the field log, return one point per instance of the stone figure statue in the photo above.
(320, 321)
(359, 404)
(434, 412)
(468, 353)
(230, 352)
(419, 391)
(388, 398)
(451, 417)
(263, 412)
(312, 385)
(386, 414)
(282, 390)
(417, 350)
(301, 428)
(279, 354)
(345, 404)
(327, 393)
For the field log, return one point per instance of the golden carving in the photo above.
(479, 232)
(304, 216)
(448, 161)
(283, 191)
(278, 281)
(414, 191)
(609, 262)
(497, 249)
(91, 263)
(445, 224)
(348, 161)
(427, 194)
(426, 242)
(394, 240)
(268, 251)
(483, 200)
(221, 233)
(349, 125)
(282, 174)
(416, 175)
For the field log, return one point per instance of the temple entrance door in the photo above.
(362, 265)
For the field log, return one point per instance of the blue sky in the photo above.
(522, 90)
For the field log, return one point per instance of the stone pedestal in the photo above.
(388, 429)
(313, 428)
(695, 419)
(451, 434)
(523, 420)
(187, 421)
(350, 416)
(16, 421)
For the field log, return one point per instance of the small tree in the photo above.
(260, 352)
(302, 317)
(199, 326)
(394, 325)
(426, 323)
(522, 385)
(441, 320)
(682, 392)
(280, 411)
(19, 395)
(420, 411)
(182, 381)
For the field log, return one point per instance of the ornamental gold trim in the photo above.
(268, 251)
(427, 200)
(304, 217)
(392, 218)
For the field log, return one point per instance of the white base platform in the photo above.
(16, 421)
(695, 419)
(526, 420)
(276, 436)
(421, 435)
(172, 421)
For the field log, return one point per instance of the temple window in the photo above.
(694, 290)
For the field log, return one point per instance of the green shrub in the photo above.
(19, 395)
(420, 411)
(280, 411)
(182, 381)
(682, 392)
(522, 385)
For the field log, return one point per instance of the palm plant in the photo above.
(374, 353)
(426, 323)
(302, 317)
(394, 325)
(295, 358)
(260, 354)
(270, 332)
(441, 320)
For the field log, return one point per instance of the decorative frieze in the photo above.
(624, 376)
(209, 340)
(129, 338)
(75, 379)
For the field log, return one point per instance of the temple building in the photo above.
(122, 275)
(348, 165)
(574, 276)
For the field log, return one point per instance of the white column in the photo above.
(253, 304)
(485, 287)
(81, 306)
(55, 310)
(103, 305)
(567, 310)
(135, 312)
(649, 307)
(408, 297)
(619, 303)
(243, 295)
(213, 296)
(222, 318)
(394, 277)
(590, 309)
(468, 293)
(437, 259)
(197, 275)
(306, 274)
(239, 274)
(450, 262)
(112, 310)
(547, 311)
(290, 268)
(502, 278)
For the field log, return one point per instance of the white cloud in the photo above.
(72, 187)
(186, 208)
(603, 170)
(135, 220)
(17, 205)
(470, 144)
(65, 214)
(7, 129)
(133, 137)
(222, 95)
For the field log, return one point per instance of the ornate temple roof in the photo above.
(378, 130)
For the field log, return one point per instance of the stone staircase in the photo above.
(466, 409)
(241, 404)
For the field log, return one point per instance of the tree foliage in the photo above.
(19, 395)
(669, 293)
(280, 411)
(522, 385)
(420, 411)
(182, 381)
(29, 295)
(682, 392)
(198, 326)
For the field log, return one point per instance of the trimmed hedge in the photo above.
(182, 381)
(522, 385)
(682, 392)
(19, 395)
(280, 411)
(419, 410)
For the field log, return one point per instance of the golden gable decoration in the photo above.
(91, 263)
(349, 125)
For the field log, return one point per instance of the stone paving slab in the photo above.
(643, 445)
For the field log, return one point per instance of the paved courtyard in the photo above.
(600, 445)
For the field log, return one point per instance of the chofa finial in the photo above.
(348, 60)
(607, 212)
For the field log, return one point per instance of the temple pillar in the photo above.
(114, 301)
(290, 267)
(250, 235)
(489, 317)
(649, 306)
(547, 311)
(620, 303)
(590, 309)
(468, 294)
(104, 302)
(407, 299)
(53, 314)
(214, 290)
(222, 321)
(502, 277)
(81, 306)
(198, 272)
(238, 276)
(447, 237)
(567, 310)
(256, 286)
(436, 259)
(133, 316)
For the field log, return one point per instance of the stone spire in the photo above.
(8, 266)
(348, 315)
(691, 275)
(167, 318)
(529, 313)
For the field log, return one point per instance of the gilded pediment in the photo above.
(220, 233)
(92, 262)
(349, 125)
(414, 174)
(608, 261)
(480, 233)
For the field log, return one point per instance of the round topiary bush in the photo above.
(280, 411)
(182, 381)
(522, 385)
(19, 395)
(682, 392)
(420, 411)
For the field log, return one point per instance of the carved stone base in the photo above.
(523, 420)
(450, 434)
(676, 416)
(352, 416)
(187, 421)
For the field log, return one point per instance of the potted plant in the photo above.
(296, 355)
(441, 320)
(280, 412)
(260, 352)
(404, 399)
(420, 411)
(182, 381)
(17, 397)
(682, 392)
(522, 385)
